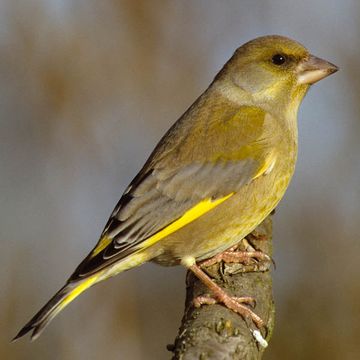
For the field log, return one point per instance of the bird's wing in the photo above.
(156, 203)
(169, 193)
(159, 202)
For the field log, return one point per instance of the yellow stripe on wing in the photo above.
(189, 216)
(103, 243)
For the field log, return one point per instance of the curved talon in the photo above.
(248, 300)
(242, 310)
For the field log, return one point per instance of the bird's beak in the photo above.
(314, 69)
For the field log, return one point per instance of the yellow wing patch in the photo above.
(189, 216)
(103, 243)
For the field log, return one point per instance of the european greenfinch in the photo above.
(213, 177)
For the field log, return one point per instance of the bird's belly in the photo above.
(226, 224)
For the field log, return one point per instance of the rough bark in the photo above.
(213, 331)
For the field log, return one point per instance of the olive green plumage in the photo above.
(214, 176)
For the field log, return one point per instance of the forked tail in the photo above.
(62, 298)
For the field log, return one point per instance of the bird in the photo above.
(215, 175)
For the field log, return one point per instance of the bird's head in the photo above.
(273, 71)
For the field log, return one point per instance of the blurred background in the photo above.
(87, 89)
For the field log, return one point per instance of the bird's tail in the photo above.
(58, 302)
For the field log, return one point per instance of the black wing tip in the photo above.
(39, 322)
(27, 328)
(33, 327)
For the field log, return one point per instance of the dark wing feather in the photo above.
(192, 162)
(156, 198)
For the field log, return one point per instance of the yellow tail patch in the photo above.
(77, 291)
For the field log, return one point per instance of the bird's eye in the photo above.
(278, 59)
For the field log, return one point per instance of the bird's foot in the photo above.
(234, 256)
(246, 258)
(236, 304)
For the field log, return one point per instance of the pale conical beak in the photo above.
(314, 69)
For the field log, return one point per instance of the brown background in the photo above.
(87, 89)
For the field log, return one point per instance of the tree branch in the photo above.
(213, 331)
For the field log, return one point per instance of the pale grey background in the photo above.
(87, 89)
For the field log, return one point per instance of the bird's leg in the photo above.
(243, 257)
(233, 303)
